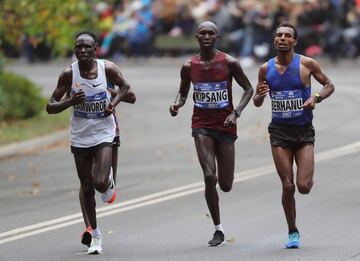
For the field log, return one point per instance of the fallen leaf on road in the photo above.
(11, 178)
(231, 240)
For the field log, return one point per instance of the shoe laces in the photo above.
(218, 234)
(294, 236)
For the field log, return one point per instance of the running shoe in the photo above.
(86, 237)
(218, 239)
(294, 240)
(109, 195)
(95, 247)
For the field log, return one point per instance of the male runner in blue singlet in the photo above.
(287, 80)
(83, 86)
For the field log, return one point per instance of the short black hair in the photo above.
(288, 24)
(91, 34)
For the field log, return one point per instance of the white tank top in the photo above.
(89, 127)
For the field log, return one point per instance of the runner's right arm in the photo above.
(185, 82)
(57, 103)
(262, 88)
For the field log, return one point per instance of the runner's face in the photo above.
(284, 39)
(85, 48)
(206, 37)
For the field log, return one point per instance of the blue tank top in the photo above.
(288, 94)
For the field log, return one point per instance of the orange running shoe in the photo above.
(86, 237)
(109, 195)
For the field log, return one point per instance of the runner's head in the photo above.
(85, 46)
(285, 37)
(207, 34)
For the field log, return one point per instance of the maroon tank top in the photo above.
(212, 93)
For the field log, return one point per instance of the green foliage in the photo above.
(55, 21)
(42, 124)
(2, 63)
(19, 97)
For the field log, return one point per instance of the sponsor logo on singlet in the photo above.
(211, 95)
(93, 107)
(286, 104)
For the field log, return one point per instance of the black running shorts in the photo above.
(221, 137)
(291, 136)
(90, 150)
(116, 142)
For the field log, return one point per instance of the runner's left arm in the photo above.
(240, 77)
(128, 98)
(327, 89)
(115, 77)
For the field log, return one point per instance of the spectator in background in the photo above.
(351, 34)
(106, 18)
(115, 43)
(142, 35)
(313, 25)
(129, 27)
(36, 48)
(244, 38)
(184, 22)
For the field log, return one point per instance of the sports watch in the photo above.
(237, 114)
(318, 97)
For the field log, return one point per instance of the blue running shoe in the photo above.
(294, 240)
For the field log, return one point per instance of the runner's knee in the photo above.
(304, 187)
(101, 183)
(210, 180)
(225, 187)
(289, 188)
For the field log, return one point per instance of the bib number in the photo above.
(286, 104)
(211, 95)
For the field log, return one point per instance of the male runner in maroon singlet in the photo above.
(214, 117)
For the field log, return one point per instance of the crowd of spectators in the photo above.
(325, 27)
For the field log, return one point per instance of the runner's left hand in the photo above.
(109, 110)
(230, 120)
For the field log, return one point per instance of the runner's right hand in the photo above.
(78, 97)
(174, 110)
(262, 89)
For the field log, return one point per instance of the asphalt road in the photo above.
(161, 212)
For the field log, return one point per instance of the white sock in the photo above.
(96, 232)
(219, 227)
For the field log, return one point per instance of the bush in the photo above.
(19, 97)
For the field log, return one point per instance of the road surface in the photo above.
(161, 213)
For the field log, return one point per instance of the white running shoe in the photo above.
(110, 194)
(95, 246)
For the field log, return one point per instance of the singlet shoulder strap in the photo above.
(75, 68)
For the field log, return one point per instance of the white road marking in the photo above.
(158, 197)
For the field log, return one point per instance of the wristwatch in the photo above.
(237, 113)
(318, 97)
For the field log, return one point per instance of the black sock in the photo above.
(293, 230)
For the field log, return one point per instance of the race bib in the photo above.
(286, 104)
(211, 95)
(93, 107)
